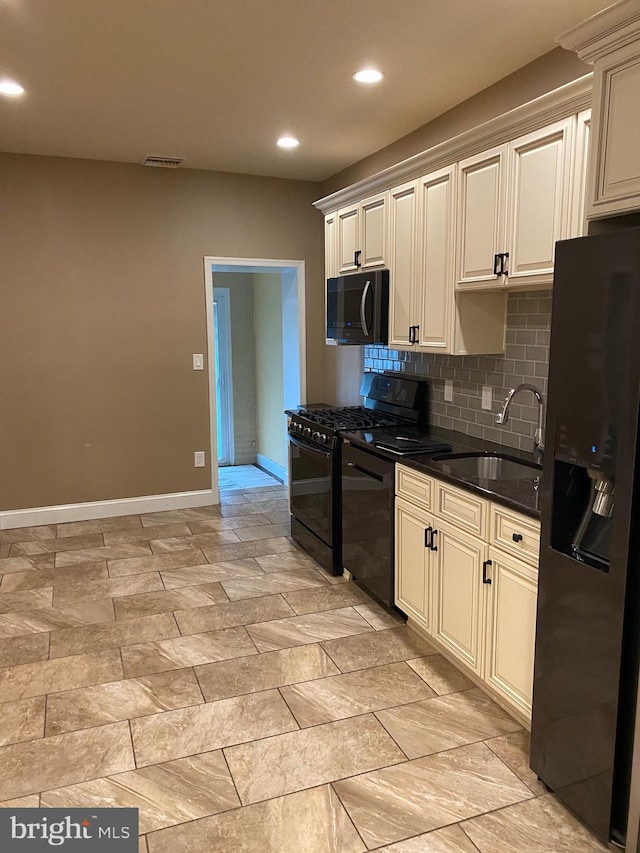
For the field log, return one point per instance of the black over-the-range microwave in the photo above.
(358, 308)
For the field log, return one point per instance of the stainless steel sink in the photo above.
(487, 467)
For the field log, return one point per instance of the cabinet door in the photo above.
(330, 245)
(402, 264)
(373, 232)
(348, 238)
(481, 217)
(615, 176)
(435, 287)
(538, 204)
(578, 224)
(412, 563)
(511, 628)
(459, 594)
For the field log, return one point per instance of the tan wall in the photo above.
(550, 71)
(102, 306)
(267, 300)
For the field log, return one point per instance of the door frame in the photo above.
(224, 353)
(220, 264)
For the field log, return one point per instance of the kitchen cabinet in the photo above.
(459, 610)
(331, 245)
(481, 211)
(362, 235)
(513, 205)
(578, 226)
(413, 576)
(615, 184)
(434, 297)
(466, 574)
(511, 619)
(424, 313)
(463, 223)
(402, 266)
(610, 41)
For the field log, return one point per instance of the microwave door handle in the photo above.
(363, 300)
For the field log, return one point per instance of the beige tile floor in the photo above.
(195, 664)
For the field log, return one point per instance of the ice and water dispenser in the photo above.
(584, 491)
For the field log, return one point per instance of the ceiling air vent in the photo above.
(162, 162)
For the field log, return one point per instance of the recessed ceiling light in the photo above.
(288, 142)
(368, 75)
(11, 88)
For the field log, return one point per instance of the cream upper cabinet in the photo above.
(578, 224)
(348, 238)
(402, 265)
(511, 627)
(610, 40)
(538, 204)
(615, 177)
(434, 291)
(362, 235)
(513, 204)
(482, 185)
(330, 245)
(412, 563)
(459, 607)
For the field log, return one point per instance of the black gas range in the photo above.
(315, 442)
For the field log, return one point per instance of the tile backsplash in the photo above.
(526, 359)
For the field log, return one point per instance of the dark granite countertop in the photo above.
(521, 495)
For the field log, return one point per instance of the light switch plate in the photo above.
(198, 361)
(487, 397)
(198, 459)
(448, 390)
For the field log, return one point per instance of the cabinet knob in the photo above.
(517, 537)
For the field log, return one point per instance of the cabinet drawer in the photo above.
(414, 486)
(461, 508)
(515, 533)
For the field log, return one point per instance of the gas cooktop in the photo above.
(350, 418)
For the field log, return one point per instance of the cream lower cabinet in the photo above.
(511, 619)
(412, 561)
(459, 612)
(466, 574)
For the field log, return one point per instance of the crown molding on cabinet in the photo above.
(608, 30)
(553, 106)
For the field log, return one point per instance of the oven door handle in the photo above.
(309, 447)
(357, 467)
(363, 300)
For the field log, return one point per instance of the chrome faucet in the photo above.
(503, 416)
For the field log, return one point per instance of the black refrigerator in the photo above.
(588, 622)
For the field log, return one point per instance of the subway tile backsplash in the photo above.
(526, 359)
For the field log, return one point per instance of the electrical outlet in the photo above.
(198, 361)
(448, 390)
(487, 397)
(198, 459)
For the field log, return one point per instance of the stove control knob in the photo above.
(315, 435)
(307, 432)
(324, 438)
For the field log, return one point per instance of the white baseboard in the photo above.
(272, 467)
(105, 509)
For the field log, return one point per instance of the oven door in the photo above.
(311, 488)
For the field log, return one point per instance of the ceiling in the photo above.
(218, 82)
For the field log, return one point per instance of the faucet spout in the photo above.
(503, 415)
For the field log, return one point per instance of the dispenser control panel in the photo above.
(592, 445)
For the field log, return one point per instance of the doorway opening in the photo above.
(256, 362)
